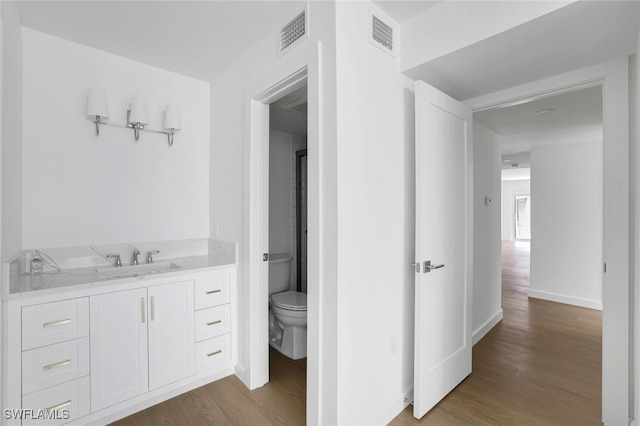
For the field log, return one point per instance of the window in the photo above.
(523, 217)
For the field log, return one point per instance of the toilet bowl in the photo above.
(288, 328)
(288, 311)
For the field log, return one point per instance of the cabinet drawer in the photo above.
(212, 322)
(71, 400)
(213, 354)
(55, 322)
(213, 289)
(51, 365)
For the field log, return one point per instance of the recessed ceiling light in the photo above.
(544, 111)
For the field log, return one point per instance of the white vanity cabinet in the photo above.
(118, 347)
(140, 340)
(103, 352)
(213, 319)
(171, 342)
(55, 361)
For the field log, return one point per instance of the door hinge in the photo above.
(265, 257)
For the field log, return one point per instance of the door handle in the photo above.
(428, 267)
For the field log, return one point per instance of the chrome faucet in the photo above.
(134, 256)
(150, 255)
(117, 257)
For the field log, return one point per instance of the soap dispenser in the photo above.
(36, 264)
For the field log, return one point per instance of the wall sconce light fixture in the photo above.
(171, 121)
(97, 108)
(137, 116)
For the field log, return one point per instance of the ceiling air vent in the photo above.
(293, 31)
(381, 34)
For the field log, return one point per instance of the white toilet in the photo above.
(288, 310)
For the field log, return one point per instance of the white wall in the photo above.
(376, 222)
(487, 265)
(511, 188)
(230, 193)
(10, 153)
(567, 224)
(11, 131)
(81, 189)
(280, 192)
(634, 115)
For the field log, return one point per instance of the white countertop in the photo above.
(23, 285)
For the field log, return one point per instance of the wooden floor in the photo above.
(282, 401)
(540, 366)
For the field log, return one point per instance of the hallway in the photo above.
(541, 365)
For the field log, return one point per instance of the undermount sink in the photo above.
(135, 270)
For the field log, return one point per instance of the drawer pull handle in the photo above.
(214, 322)
(59, 406)
(54, 323)
(219, 351)
(57, 364)
(214, 291)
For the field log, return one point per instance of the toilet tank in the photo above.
(279, 272)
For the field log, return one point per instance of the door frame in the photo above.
(296, 69)
(614, 78)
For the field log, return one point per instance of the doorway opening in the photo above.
(552, 251)
(287, 242)
(523, 216)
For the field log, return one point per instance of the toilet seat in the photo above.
(290, 300)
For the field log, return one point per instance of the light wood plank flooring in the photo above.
(540, 366)
(282, 401)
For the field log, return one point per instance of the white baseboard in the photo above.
(389, 411)
(487, 326)
(242, 374)
(563, 298)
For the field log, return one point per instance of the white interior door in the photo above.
(444, 239)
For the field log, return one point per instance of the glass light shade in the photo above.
(172, 118)
(139, 113)
(97, 104)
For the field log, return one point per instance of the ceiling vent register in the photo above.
(381, 34)
(293, 31)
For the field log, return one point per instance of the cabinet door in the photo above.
(171, 333)
(118, 347)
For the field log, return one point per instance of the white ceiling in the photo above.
(516, 174)
(285, 120)
(511, 163)
(576, 118)
(574, 110)
(401, 10)
(194, 38)
(202, 38)
(578, 35)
